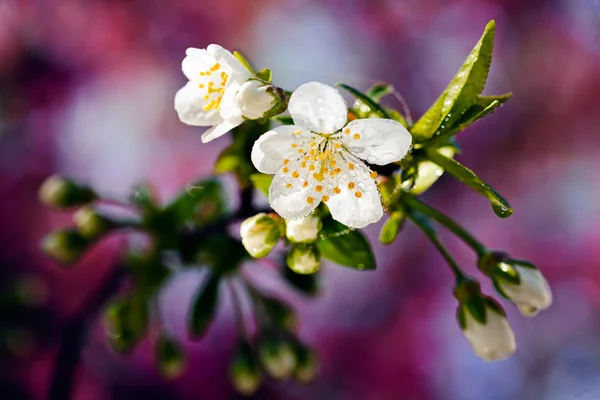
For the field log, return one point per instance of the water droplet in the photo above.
(439, 172)
(442, 126)
(437, 133)
(361, 266)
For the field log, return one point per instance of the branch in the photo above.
(75, 332)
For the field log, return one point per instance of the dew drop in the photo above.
(361, 266)
(439, 172)
(442, 126)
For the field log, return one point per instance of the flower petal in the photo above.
(289, 197)
(274, 146)
(358, 202)
(318, 107)
(228, 62)
(379, 141)
(219, 130)
(189, 104)
(228, 107)
(493, 341)
(196, 61)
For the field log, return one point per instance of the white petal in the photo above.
(189, 104)
(228, 108)
(229, 63)
(318, 107)
(274, 146)
(379, 141)
(196, 61)
(493, 341)
(288, 195)
(532, 294)
(303, 230)
(219, 130)
(359, 203)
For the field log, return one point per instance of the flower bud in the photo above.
(90, 224)
(484, 323)
(259, 99)
(276, 357)
(65, 246)
(304, 259)
(243, 372)
(260, 234)
(60, 192)
(307, 364)
(169, 357)
(518, 281)
(428, 172)
(303, 230)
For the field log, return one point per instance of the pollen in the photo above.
(311, 167)
(336, 190)
(300, 151)
(289, 185)
(319, 188)
(351, 185)
(305, 184)
(295, 174)
(215, 67)
(286, 161)
(347, 131)
(333, 163)
(211, 84)
(325, 198)
(294, 145)
(356, 136)
(337, 146)
(313, 144)
(303, 164)
(285, 170)
(373, 174)
(358, 194)
(350, 166)
(206, 97)
(298, 132)
(322, 156)
(201, 85)
(319, 177)
(310, 200)
(202, 73)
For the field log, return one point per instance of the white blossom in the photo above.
(320, 158)
(209, 98)
(493, 340)
(257, 99)
(303, 230)
(532, 294)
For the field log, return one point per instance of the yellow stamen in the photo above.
(373, 174)
(319, 177)
(356, 136)
(305, 184)
(347, 131)
(286, 161)
(310, 200)
(319, 188)
(336, 190)
(350, 166)
(289, 185)
(295, 174)
(311, 167)
(325, 198)
(358, 194)
(285, 170)
(351, 185)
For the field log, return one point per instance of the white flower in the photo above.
(260, 234)
(532, 294)
(304, 259)
(209, 98)
(258, 99)
(321, 159)
(493, 340)
(303, 230)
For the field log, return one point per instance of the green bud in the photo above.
(60, 192)
(304, 258)
(307, 364)
(90, 224)
(169, 357)
(428, 172)
(65, 246)
(276, 357)
(243, 371)
(260, 234)
(392, 227)
(126, 321)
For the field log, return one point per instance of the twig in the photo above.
(75, 332)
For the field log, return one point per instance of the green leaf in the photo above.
(228, 160)
(262, 182)
(169, 357)
(283, 119)
(380, 90)
(392, 227)
(483, 106)
(243, 60)
(265, 75)
(204, 306)
(500, 206)
(126, 321)
(463, 90)
(373, 105)
(344, 246)
(199, 203)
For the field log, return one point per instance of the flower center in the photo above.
(214, 85)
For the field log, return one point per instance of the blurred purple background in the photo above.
(86, 89)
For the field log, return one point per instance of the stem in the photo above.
(73, 339)
(404, 105)
(429, 232)
(416, 204)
